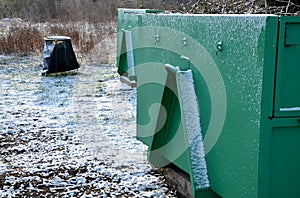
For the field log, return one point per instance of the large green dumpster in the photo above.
(245, 72)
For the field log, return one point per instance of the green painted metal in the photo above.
(245, 72)
(287, 101)
(127, 19)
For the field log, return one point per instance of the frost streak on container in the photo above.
(290, 109)
(191, 118)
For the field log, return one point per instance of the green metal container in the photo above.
(246, 75)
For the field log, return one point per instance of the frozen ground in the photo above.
(70, 135)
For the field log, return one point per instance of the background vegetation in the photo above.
(24, 23)
(59, 10)
(75, 10)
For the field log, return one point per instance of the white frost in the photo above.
(290, 109)
(191, 116)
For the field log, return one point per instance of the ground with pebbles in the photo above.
(70, 135)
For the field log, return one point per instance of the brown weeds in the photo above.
(21, 40)
(27, 39)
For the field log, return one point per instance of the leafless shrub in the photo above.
(27, 39)
(21, 40)
(59, 10)
(87, 22)
(279, 7)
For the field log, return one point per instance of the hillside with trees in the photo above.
(105, 10)
(59, 10)
(90, 21)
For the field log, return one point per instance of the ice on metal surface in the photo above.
(57, 38)
(290, 109)
(191, 116)
(129, 50)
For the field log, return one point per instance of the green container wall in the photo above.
(245, 71)
(127, 20)
(287, 101)
(280, 134)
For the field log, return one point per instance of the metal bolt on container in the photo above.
(218, 97)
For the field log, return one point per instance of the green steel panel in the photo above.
(245, 72)
(287, 99)
(292, 34)
(267, 105)
(233, 161)
(285, 162)
(127, 20)
(149, 99)
(163, 146)
(150, 87)
(279, 173)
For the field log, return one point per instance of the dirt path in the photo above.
(70, 136)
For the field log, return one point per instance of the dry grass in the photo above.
(21, 40)
(92, 24)
(84, 42)
(88, 23)
(28, 39)
(279, 7)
